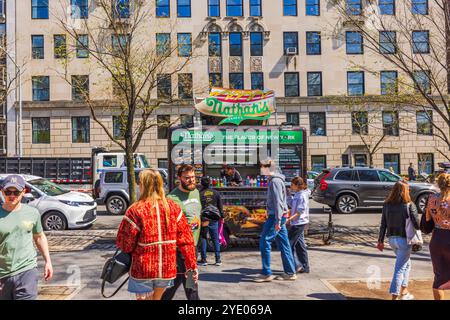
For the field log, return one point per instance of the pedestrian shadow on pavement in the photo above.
(234, 275)
(422, 257)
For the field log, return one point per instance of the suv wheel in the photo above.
(116, 205)
(54, 221)
(346, 204)
(421, 202)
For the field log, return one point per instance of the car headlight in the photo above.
(70, 203)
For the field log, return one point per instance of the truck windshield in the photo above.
(144, 161)
(48, 187)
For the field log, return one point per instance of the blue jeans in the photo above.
(269, 234)
(298, 245)
(402, 264)
(213, 229)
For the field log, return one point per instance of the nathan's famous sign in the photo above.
(238, 105)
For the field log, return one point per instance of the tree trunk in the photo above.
(130, 173)
(370, 159)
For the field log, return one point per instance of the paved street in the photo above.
(78, 257)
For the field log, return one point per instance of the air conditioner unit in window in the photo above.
(291, 51)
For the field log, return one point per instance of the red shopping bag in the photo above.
(222, 239)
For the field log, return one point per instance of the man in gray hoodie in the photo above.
(275, 226)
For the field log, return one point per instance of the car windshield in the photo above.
(388, 177)
(48, 187)
(143, 160)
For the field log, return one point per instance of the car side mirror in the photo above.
(28, 197)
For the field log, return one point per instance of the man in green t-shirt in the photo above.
(188, 198)
(20, 225)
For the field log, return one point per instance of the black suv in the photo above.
(345, 189)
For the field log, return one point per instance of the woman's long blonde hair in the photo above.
(443, 182)
(151, 187)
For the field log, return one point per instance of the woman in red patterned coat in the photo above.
(151, 231)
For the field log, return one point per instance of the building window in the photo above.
(215, 44)
(354, 42)
(237, 81)
(425, 163)
(360, 122)
(186, 119)
(185, 85)
(164, 86)
(162, 8)
(290, 7)
(392, 162)
(80, 129)
(387, 7)
(41, 130)
(314, 84)
(293, 118)
(354, 7)
(355, 83)
(257, 80)
(163, 122)
(419, 6)
(37, 46)
(163, 44)
(184, 44)
(235, 8)
(60, 47)
(41, 88)
(82, 46)
(163, 163)
(317, 123)
(215, 80)
(235, 44)
(313, 43)
(80, 9)
(122, 9)
(421, 41)
(318, 163)
(291, 84)
(424, 121)
(290, 40)
(388, 42)
(119, 43)
(118, 128)
(345, 159)
(390, 123)
(256, 44)
(39, 9)
(213, 8)
(80, 88)
(361, 161)
(422, 81)
(255, 8)
(389, 83)
(312, 7)
(184, 8)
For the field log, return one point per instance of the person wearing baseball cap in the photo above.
(20, 226)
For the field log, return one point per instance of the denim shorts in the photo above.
(147, 286)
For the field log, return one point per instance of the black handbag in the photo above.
(426, 226)
(211, 213)
(114, 269)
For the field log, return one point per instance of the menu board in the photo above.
(290, 161)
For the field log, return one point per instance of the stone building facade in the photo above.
(289, 47)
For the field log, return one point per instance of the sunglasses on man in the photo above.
(10, 192)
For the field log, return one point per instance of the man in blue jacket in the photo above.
(275, 226)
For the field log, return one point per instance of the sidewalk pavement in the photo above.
(233, 280)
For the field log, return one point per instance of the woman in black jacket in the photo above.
(396, 209)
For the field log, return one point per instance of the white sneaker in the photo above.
(407, 296)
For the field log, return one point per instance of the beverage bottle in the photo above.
(224, 182)
(251, 182)
(247, 181)
(214, 182)
(258, 182)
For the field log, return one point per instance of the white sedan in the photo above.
(60, 208)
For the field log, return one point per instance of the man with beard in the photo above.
(188, 198)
